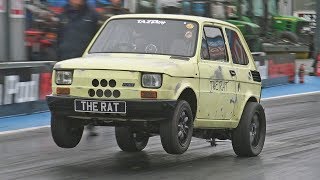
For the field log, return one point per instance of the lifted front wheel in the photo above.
(66, 132)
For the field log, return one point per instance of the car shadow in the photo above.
(141, 164)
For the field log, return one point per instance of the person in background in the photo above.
(116, 8)
(77, 26)
(169, 6)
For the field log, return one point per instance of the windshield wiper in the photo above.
(180, 57)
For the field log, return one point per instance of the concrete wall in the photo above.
(304, 5)
(285, 7)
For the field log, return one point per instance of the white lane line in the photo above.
(263, 99)
(291, 95)
(23, 130)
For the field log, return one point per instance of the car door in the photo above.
(247, 77)
(217, 76)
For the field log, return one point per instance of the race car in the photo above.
(175, 76)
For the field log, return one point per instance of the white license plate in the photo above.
(100, 106)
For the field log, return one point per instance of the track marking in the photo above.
(291, 95)
(23, 130)
(263, 99)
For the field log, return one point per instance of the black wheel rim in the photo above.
(255, 129)
(184, 125)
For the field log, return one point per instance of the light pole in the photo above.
(3, 31)
(317, 33)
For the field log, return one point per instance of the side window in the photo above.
(213, 45)
(204, 48)
(239, 55)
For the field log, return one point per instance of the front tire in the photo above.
(66, 132)
(130, 141)
(248, 138)
(176, 133)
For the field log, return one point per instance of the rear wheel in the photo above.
(176, 133)
(66, 132)
(130, 141)
(248, 138)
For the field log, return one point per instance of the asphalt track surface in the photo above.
(292, 151)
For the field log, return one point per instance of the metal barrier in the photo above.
(24, 86)
(276, 69)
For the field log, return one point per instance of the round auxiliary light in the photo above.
(116, 93)
(107, 93)
(104, 83)
(95, 82)
(99, 93)
(112, 83)
(91, 92)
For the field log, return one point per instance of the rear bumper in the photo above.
(147, 110)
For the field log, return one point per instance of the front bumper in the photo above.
(147, 110)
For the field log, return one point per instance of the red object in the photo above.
(45, 85)
(284, 69)
(318, 66)
(301, 73)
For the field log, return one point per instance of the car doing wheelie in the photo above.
(173, 75)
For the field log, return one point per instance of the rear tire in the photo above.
(129, 141)
(248, 138)
(176, 133)
(66, 132)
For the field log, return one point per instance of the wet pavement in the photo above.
(292, 151)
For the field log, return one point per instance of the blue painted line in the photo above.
(43, 119)
(24, 121)
(311, 84)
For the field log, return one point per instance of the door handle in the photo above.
(233, 73)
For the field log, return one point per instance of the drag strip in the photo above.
(292, 151)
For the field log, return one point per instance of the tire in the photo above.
(66, 132)
(290, 36)
(129, 141)
(176, 133)
(248, 138)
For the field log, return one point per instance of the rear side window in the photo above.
(213, 45)
(239, 55)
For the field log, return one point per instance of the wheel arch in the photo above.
(252, 99)
(249, 99)
(189, 95)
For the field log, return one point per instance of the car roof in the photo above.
(198, 19)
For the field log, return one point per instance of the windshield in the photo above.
(148, 36)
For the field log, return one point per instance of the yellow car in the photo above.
(173, 75)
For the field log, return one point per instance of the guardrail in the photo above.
(276, 69)
(24, 86)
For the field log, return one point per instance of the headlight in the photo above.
(151, 80)
(64, 77)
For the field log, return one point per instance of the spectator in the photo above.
(116, 8)
(169, 6)
(78, 25)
